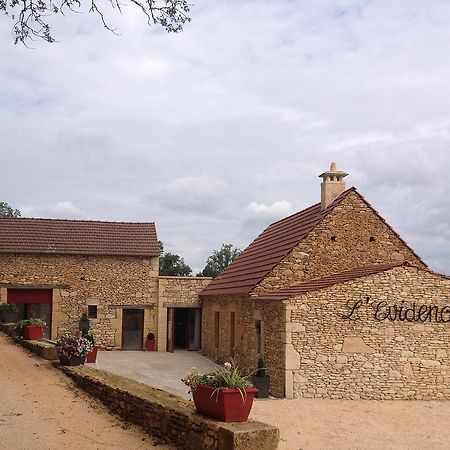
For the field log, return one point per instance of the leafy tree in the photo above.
(31, 16)
(171, 264)
(6, 210)
(219, 260)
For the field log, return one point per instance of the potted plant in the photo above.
(225, 395)
(83, 324)
(8, 313)
(72, 350)
(260, 380)
(150, 342)
(31, 329)
(91, 357)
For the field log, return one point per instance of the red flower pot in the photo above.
(224, 404)
(91, 357)
(150, 345)
(33, 332)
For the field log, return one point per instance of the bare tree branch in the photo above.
(30, 16)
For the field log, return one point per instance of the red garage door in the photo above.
(30, 296)
(33, 303)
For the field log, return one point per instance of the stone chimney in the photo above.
(332, 186)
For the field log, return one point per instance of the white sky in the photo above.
(218, 131)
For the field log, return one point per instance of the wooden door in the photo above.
(132, 329)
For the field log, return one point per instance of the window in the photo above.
(232, 332)
(216, 330)
(258, 335)
(92, 311)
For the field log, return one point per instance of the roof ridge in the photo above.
(50, 219)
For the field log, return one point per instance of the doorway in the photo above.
(183, 329)
(33, 303)
(132, 329)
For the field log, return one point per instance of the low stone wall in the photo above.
(169, 417)
(44, 349)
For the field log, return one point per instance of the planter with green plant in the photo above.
(261, 380)
(8, 313)
(30, 329)
(72, 350)
(91, 357)
(225, 395)
(150, 342)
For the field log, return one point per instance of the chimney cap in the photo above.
(333, 171)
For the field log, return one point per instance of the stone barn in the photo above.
(60, 269)
(337, 303)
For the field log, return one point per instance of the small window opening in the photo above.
(258, 335)
(232, 332)
(372, 239)
(333, 238)
(216, 330)
(92, 311)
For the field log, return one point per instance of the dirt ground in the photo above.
(347, 424)
(41, 409)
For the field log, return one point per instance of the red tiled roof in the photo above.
(271, 246)
(267, 250)
(330, 280)
(77, 237)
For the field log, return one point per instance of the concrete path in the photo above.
(157, 369)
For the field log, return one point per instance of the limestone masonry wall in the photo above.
(332, 357)
(181, 290)
(244, 348)
(340, 242)
(169, 417)
(106, 281)
(176, 292)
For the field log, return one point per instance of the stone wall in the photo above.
(107, 281)
(351, 235)
(246, 312)
(328, 356)
(178, 292)
(169, 417)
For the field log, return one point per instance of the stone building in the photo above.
(60, 269)
(337, 303)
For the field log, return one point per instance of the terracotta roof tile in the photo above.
(267, 250)
(331, 280)
(77, 237)
(272, 245)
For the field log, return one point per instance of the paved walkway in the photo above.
(157, 369)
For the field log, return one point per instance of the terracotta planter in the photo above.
(91, 357)
(72, 360)
(33, 332)
(150, 345)
(224, 404)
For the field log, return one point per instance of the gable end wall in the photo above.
(352, 223)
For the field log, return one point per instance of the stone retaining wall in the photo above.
(169, 417)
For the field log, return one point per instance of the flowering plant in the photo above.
(228, 376)
(69, 346)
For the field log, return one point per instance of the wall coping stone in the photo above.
(169, 416)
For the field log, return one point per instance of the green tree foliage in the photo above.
(31, 17)
(219, 260)
(171, 264)
(7, 211)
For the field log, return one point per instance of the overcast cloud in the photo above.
(218, 131)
